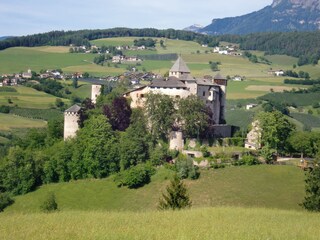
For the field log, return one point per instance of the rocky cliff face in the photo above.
(281, 15)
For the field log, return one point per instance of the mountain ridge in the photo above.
(280, 16)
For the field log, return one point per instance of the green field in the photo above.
(9, 122)
(221, 223)
(27, 97)
(263, 186)
(240, 117)
(258, 81)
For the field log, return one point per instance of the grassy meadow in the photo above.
(258, 202)
(10, 121)
(264, 186)
(203, 223)
(27, 97)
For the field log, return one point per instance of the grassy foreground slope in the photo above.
(257, 186)
(205, 223)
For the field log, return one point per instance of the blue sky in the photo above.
(22, 17)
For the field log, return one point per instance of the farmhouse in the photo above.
(181, 84)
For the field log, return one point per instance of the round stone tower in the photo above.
(71, 118)
(95, 92)
(176, 141)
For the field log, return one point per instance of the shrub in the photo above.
(135, 177)
(5, 201)
(250, 160)
(205, 152)
(49, 204)
(4, 109)
(185, 168)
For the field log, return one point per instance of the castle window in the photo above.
(142, 95)
(177, 96)
(203, 93)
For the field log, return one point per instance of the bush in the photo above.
(49, 204)
(4, 109)
(250, 160)
(5, 201)
(205, 152)
(185, 168)
(135, 177)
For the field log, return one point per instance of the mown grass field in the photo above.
(10, 121)
(280, 187)
(27, 97)
(222, 223)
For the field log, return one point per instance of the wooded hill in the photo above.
(304, 45)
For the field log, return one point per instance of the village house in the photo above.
(27, 75)
(250, 106)
(277, 73)
(237, 78)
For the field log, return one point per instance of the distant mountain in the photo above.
(4, 37)
(193, 28)
(280, 16)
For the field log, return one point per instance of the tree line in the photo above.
(303, 45)
(82, 37)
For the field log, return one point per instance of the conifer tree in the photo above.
(312, 199)
(50, 203)
(176, 196)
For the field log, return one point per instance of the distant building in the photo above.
(250, 106)
(237, 78)
(27, 75)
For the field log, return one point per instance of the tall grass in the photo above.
(207, 223)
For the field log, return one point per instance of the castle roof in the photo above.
(219, 77)
(206, 82)
(172, 82)
(180, 66)
(74, 109)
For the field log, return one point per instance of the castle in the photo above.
(179, 84)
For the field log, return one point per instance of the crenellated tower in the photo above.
(71, 119)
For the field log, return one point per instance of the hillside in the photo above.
(205, 223)
(281, 16)
(264, 186)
